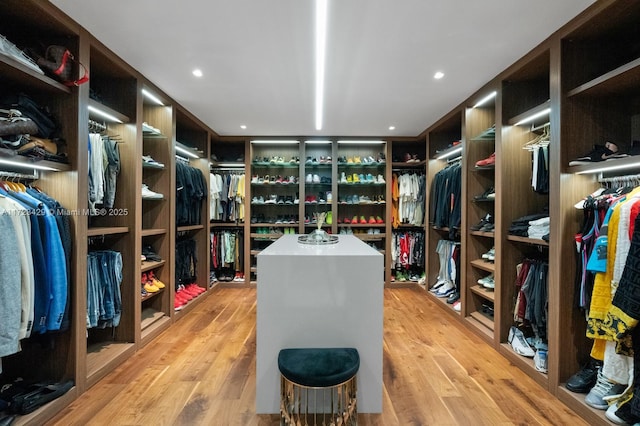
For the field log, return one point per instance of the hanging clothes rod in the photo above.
(624, 178)
(13, 175)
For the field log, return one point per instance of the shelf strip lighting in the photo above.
(103, 114)
(229, 165)
(610, 168)
(186, 152)
(151, 97)
(532, 117)
(356, 142)
(450, 153)
(321, 46)
(486, 99)
(27, 165)
(317, 142)
(285, 142)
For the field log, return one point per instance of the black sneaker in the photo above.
(453, 298)
(484, 221)
(599, 153)
(586, 378)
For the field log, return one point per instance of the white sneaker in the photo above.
(149, 194)
(380, 179)
(309, 178)
(437, 286)
(519, 344)
(446, 289)
(316, 179)
(329, 196)
(343, 178)
(610, 414)
(540, 360)
(457, 306)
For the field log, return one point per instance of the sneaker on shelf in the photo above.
(439, 283)
(380, 180)
(490, 255)
(487, 162)
(484, 221)
(147, 160)
(154, 280)
(457, 306)
(608, 151)
(540, 360)
(316, 179)
(519, 343)
(363, 220)
(178, 304)
(453, 297)
(585, 379)
(611, 415)
(446, 289)
(602, 389)
(149, 194)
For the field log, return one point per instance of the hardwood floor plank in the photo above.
(202, 372)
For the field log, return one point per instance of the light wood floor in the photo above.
(202, 372)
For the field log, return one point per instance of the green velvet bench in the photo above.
(318, 386)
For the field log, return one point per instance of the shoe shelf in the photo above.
(626, 165)
(107, 230)
(622, 80)
(150, 296)
(482, 323)
(150, 316)
(524, 363)
(484, 265)
(189, 228)
(527, 240)
(575, 401)
(153, 232)
(148, 265)
(26, 161)
(104, 357)
(483, 292)
(442, 301)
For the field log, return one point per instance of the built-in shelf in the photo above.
(527, 240)
(483, 292)
(106, 230)
(226, 225)
(483, 320)
(95, 105)
(623, 79)
(149, 296)
(148, 265)
(189, 228)
(153, 231)
(149, 316)
(483, 264)
(482, 234)
(399, 165)
(152, 166)
(538, 109)
(103, 357)
(11, 69)
(625, 164)
(11, 158)
(452, 151)
(487, 135)
(524, 363)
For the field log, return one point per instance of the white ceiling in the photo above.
(258, 60)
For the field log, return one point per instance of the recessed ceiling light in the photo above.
(197, 72)
(438, 75)
(243, 127)
(320, 53)
(392, 127)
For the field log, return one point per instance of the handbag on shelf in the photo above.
(58, 62)
(12, 122)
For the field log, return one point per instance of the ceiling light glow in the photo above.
(321, 46)
(438, 75)
(243, 127)
(197, 72)
(392, 127)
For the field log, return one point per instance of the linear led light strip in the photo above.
(27, 165)
(450, 153)
(532, 117)
(486, 99)
(321, 47)
(151, 97)
(610, 168)
(103, 114)
(186, 152)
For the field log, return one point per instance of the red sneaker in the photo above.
(372, 220)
